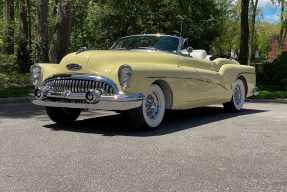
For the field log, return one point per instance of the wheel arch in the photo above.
(243, 79)
(168, 95)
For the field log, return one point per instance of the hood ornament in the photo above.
(74, 67)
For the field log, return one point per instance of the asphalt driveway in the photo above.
(203, 149)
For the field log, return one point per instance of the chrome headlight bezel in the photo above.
(125, 74)
(36, 74)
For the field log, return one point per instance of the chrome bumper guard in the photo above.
(89, 100)
(255, 91)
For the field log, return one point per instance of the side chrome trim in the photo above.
(189, 78)
(201, 100)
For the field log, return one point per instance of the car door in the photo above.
(203, 82)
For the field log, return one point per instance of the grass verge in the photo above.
(270, 92)
(15, 91)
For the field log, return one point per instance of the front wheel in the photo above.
(63, 115)
(238, 97)
(150, 115)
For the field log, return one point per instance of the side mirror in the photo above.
(82, 49)
(189, 49)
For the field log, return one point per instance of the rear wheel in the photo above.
(63, 115)
(150, 115)
(238, 97)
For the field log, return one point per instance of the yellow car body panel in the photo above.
(193, 82)
(187, 82)
(143, 75)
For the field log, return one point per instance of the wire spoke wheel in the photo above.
(152, 105)
(238, 97)
(151, 113)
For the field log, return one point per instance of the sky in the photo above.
(269, 14)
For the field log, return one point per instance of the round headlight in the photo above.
(36, 71)
(125, 75)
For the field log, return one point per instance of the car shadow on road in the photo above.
(174, 121)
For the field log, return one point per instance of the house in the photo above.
(272, 54)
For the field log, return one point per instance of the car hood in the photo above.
(103, 62)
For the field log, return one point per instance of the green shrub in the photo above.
(8, 63)
(9, 73)
(274, 73)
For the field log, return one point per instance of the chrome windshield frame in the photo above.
(180, 41)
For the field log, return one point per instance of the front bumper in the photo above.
(109, 103)
(84, 91)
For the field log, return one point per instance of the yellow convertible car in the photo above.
(142, 75)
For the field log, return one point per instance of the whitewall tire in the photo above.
(238, 97)
(150, 114)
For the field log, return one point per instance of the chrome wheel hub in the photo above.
(152, 105)
(238, 95)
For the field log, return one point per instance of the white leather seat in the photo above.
(198, 53)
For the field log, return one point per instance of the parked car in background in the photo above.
(142, 75)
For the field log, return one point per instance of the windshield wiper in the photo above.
(150, 48)
(120, 49)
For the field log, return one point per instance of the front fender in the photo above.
(139, 83)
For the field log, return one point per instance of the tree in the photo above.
(8, 27)
(283, 22)
(228, 41)
(41, 35)
(28, 3)
(265, 33)
(23, 53)
(61, 38)
(243, 55)
(254, 11)
(109, 20)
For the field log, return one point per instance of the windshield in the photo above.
(155, 43)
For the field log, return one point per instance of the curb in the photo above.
(266, 100)
(14, 100)
(28, 99)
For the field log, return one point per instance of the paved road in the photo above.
(202, 149)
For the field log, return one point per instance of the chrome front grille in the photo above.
(79, 86)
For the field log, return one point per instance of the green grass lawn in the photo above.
(15, 91)
(12, 83)
(270, 92)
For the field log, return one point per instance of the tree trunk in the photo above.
(61, 38)
(243, 55)
(23, 53)
(254, 10)
(29, 24)
(8, 27)
(42, 31)
(282, 22)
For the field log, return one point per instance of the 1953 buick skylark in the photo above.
(143, 75)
